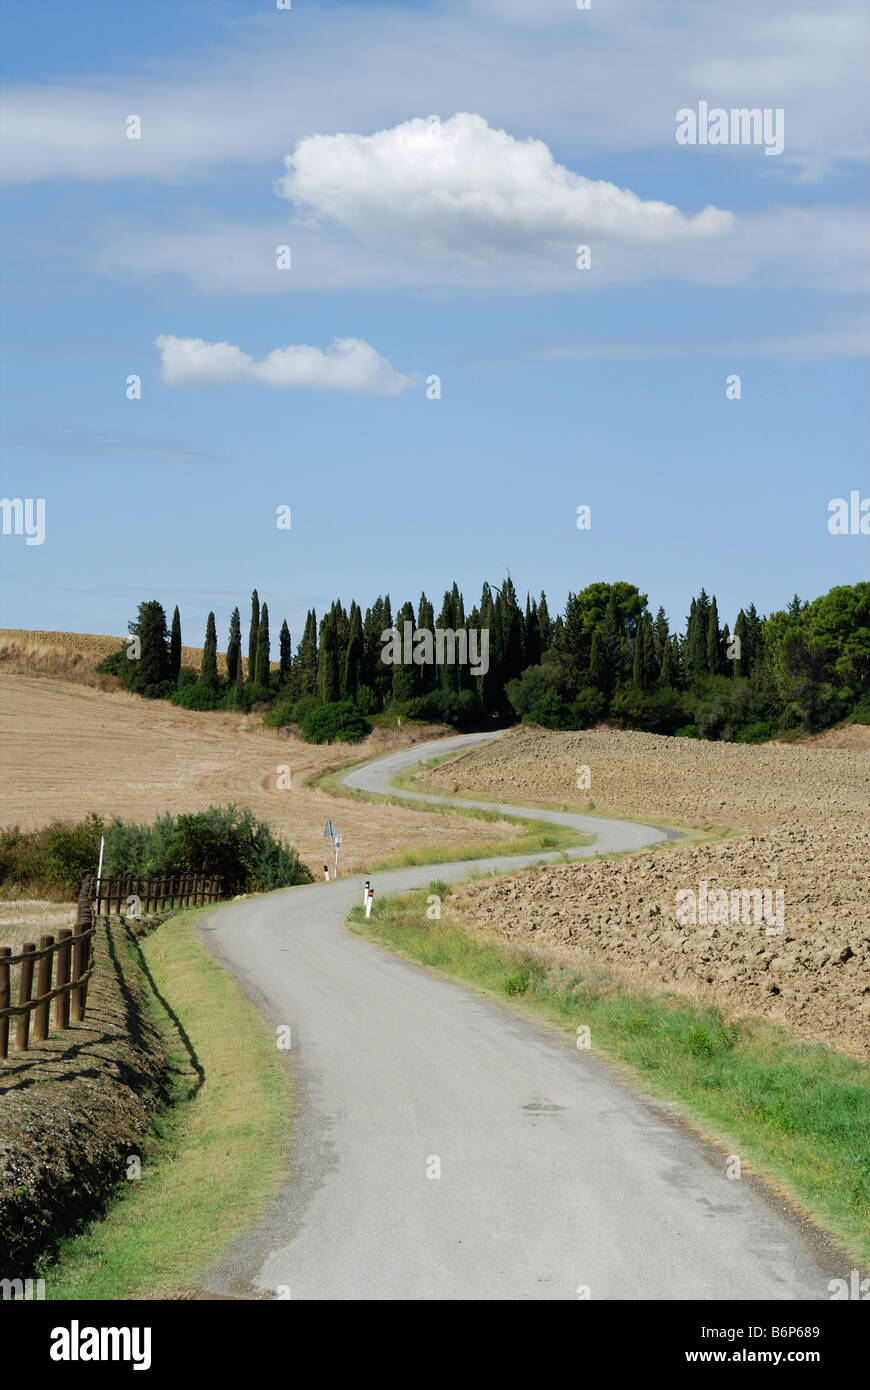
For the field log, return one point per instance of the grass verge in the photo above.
(215, 1156)
(798, 1113)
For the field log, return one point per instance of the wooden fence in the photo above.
(156, 894)
(73, 951)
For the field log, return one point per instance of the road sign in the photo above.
(330, 833)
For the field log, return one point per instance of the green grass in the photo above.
(216, 1153)
(797, 1112)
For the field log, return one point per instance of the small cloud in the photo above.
(349, 364)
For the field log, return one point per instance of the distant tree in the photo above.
(713, 653)
(234, 647)
(175, 646)
(353, 659)
(152, 666)
(286, 656)
(328, 679)
(252, 636)
(305, 665)
(208, 673)
(545, 626)
(405, 676)
(263, 663)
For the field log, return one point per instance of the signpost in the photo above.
(330, 833)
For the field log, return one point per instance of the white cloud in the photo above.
(460, 188)
(349, 364)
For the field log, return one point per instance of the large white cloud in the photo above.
(461, 188)
(349, 364)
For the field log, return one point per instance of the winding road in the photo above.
(557, 1179)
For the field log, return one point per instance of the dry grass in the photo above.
(68, 750)
(22, 921)
(73, 656)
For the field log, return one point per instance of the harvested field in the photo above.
(682, 781)
(68, 750)
(73, 656)
(808, 809)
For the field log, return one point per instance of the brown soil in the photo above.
(809, 811)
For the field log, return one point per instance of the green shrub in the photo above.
(195, 696)
(221, 840)
(340, 722)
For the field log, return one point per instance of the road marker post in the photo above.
(369, 900)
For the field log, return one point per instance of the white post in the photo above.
(326, 873)
(369, 901)
(366, 892)
(100, 869)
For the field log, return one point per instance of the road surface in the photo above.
(557, 1179)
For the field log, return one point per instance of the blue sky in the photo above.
(428, 246)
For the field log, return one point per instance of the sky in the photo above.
(430, 170)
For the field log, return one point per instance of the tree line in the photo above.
(605, 656)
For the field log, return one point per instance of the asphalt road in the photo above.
(555, 1175)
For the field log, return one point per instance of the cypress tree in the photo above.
(741, 662)
(175, 646)
(263, 650)
(328, 681)
(426, 622)
(353, 660)
(152, 667)
(234, 647)
(668, 675)
(208, 673)
(286, 652)
(532, 653)
(545, 626)
(252, 636)
(306, 658)
(713, 653)
(404, 677)
(661, 636)
(638, 664)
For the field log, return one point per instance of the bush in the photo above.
(226, 840)
(459, 708)
(195, 696)
(50, 862)
(340, 722)
(657, 712)
(222, 840)
(861, 712)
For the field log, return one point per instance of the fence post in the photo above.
(25, 991)
(84, 920)
(61, 1003)
(43, 987)
(5, 1001)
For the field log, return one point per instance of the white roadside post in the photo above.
(369, 900)
(326, 873)
(100, 867)
(366, 891)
